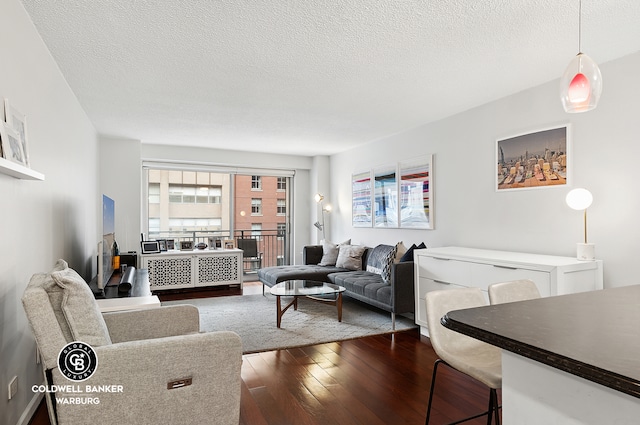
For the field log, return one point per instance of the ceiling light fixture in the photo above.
(581, 83)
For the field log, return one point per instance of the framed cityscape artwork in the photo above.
(416, 186)
(385, 196)
(361, 199)
(534, 160)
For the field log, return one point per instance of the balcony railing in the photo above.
(272, 244)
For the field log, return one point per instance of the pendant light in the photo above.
(581, 84)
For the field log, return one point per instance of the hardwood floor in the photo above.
(373, 380)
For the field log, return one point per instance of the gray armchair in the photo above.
(153, 366)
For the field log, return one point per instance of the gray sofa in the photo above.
(395, 296)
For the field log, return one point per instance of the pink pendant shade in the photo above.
(581, 85)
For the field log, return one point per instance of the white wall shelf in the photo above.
(18, 171)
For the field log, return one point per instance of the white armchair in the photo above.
(153, 366)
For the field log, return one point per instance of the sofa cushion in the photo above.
(276, 274)
(364, 285)
(350, 257)
(330, 252)
(79, 307)
(380, 261)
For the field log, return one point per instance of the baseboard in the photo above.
(31, 408)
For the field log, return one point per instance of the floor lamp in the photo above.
(320, 224)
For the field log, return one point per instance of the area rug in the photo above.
(253, 317)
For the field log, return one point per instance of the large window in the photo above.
(183, 202)
(186, 201)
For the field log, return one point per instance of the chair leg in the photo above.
(393, 321)
(496, 406)
(433, 384)
(491, 411)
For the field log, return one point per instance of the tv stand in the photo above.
(138, 297)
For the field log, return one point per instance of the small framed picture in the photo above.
(211, 242)
(171, 244)
(11, 146)
(163, 244)
(18, 121)
(150, 247)
(186, 245)
(229, 244)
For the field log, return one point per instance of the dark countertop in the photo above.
(594, 335)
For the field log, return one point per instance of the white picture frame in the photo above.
(18, 122)
(416, 200)
(11, 145)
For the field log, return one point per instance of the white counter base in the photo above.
(534, 393)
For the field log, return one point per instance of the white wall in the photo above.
(468, 210)
(120, 174)
(40, 221)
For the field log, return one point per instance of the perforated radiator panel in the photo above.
(170, 272)
(218, 269)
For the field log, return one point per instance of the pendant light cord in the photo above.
(580, 26)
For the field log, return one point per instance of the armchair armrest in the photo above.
(402, 286)
(152, 323)
(137, 377)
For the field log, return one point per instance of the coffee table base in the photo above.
(337, 302)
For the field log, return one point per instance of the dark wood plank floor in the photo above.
(373, 380)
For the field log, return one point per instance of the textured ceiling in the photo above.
(311, 78)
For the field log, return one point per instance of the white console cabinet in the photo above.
(189, 269)
(458, 267)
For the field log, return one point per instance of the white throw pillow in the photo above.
(350, 257)
(330, 252)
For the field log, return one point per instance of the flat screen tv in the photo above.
(105, 247)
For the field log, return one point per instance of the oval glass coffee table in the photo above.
(323, 292)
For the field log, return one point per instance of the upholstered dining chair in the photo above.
(515, 290)
(474, 358)
(149, 366)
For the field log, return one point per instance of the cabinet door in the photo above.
(444, 270)
(169, 272)
(425, 285)
(484, 275)
(219, 269)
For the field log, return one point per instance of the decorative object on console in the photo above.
(201, 245)
(163, 244)
(150, 247)
(534, 160)
(10, 144)
(186, 245)
(17, 121)
(229, 244)
(581, 199)
(171, 244)
(581, 83)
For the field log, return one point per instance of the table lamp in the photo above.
(580, 199)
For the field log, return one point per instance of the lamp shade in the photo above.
(581, 85)
(318, 197)
(579, 199)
